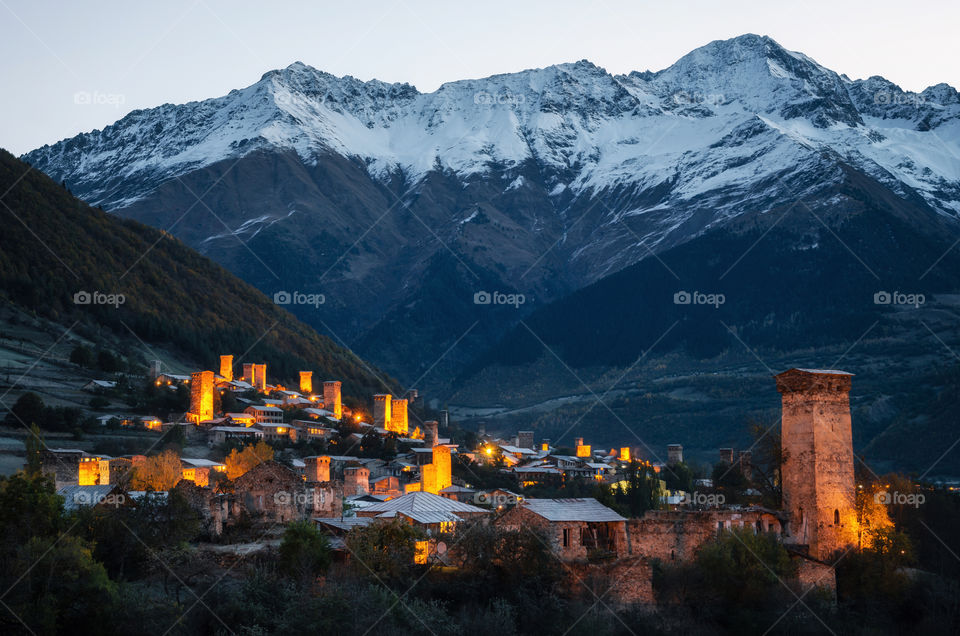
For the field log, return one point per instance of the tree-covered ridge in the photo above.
(53, 246)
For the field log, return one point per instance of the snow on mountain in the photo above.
(731, 111)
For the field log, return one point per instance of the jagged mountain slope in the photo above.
(54, 246)
(786, 293)
(541, 181)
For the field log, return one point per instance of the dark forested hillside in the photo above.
(53, 246)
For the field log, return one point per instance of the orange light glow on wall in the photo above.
(421, 552)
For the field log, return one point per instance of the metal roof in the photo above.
(346, 523)
(571, 510)
(200, 463)
(824, 371)
(415, 502)
(538, 469)
(427, 517)
(456, 488)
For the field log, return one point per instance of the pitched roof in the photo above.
(428, 516)
(585, 509)
(418, 502)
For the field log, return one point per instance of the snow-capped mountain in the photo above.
(540, 181)
(609, 130)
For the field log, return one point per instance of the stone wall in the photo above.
(676, 535)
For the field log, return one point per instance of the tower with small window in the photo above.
(817, 470)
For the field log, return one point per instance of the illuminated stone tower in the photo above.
(381, 410)
(260, 377)
(306, 382)
(441, 461)
(201, 396)
(583, 450)
(226, 367)
(249, 373)
(317, 468)
(817, 472)
(331, 398)
(398, 422)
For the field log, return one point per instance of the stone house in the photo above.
(575, 528)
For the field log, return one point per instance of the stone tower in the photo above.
(430, 433)
(201, 396)
(331, 398)
(398, 422)
(260, 377)
(249, 373)
(226, 367)
(381, 410)
(817, 472)
(306, 382)
(356, 481)
(317, 468)
(155, 369)
(674, 454)
(525, 439)
(441, 459)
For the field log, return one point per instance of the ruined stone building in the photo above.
(573, 527)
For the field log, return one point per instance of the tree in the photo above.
(108, 362)
(27, 410)
(160, 472)
(304, 551)
(239, 462)
(741, 568)
(82, 355)
(384, 549)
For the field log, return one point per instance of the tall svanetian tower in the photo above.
(819, 492)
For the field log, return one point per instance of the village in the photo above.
(423, 479)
